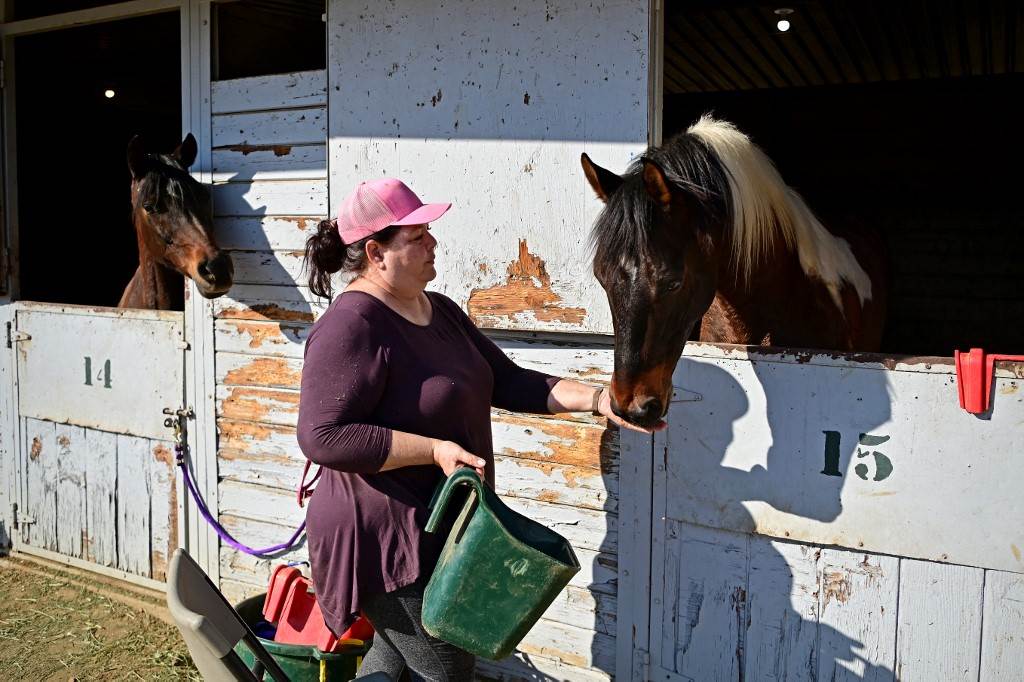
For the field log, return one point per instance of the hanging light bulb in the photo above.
(109, 94)
(783, 24)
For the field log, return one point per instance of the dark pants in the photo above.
(401, 641)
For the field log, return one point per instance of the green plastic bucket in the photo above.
(498, 572)
(301, 663)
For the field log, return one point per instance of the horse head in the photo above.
(173, 217)
(655, 255)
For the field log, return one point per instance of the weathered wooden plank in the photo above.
(584, 608)
(263, 302)
(278, 91)
(705, 595)
(940, 612)
(264, 233)
(279, 339)
(163, 484)
(1002, 641)
(100, 454)
(267, 455)
(71, 490)
(582, 362)
(41, 484)
(268, 267)
(282, 197)
(274, 129)
(566, 485)
(782, 626)
(234, 369)
(521, 666)
(247, 163)
(857, 600)
(133, 517)
(575, 646)
(555, 440)
(584, 528)
(235, 592)
(268, 405)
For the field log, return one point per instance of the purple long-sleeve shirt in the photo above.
(369, 371)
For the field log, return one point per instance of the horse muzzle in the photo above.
(642, 400)
(214, 276)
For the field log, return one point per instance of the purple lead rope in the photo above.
(179, 451)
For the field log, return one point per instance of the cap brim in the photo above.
(427, 213)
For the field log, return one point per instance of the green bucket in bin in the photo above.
(301, 663)
(497, 574)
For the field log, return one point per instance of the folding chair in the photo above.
(211, 627)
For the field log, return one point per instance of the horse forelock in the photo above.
(625, 229)
(766, 211)
(166, 178)
(624, 226)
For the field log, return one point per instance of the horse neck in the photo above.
(752, 310)
(154, 286)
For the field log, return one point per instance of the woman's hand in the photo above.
(450, 456)
(604, 406)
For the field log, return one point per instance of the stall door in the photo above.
(820, 517)
(96, 478)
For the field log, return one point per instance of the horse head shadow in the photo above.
(766, 454)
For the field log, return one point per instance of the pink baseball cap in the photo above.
(376, 204)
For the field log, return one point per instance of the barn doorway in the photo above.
(901, 115)
(82, 93)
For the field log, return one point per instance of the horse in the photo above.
(173, 217)
(704, 231)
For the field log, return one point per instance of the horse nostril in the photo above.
(646, 411)
(216, 270)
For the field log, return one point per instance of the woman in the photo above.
(396, 394)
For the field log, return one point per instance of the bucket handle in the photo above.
(461, 476)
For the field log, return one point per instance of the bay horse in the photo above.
(703, 230)
(173, 217)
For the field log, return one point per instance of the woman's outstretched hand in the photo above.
(604, 406)
(450, 456)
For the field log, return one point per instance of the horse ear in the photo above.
(656, 184)
(137, 162)
(603, 181)
(186, 151)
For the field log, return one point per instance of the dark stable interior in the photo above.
(77, 243)
(76, 239)
(904, 116)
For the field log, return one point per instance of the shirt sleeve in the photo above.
(516, 388)
(343, 378)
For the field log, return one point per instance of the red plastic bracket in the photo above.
(280, 580)
(291, 605)
(974, 372)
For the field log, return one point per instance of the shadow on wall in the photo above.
(719, 475)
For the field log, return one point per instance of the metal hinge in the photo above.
(13, 335)
(24, 520)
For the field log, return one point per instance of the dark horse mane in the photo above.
(625, 225)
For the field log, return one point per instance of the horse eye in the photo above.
(674, 285)
(149, 208)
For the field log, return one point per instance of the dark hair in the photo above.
(326, 254)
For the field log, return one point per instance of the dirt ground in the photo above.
(55, 627)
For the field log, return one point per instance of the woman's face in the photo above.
(409, 257)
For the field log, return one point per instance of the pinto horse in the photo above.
(173, 219)
(704, 231)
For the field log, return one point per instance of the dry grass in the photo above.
(52, 627)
